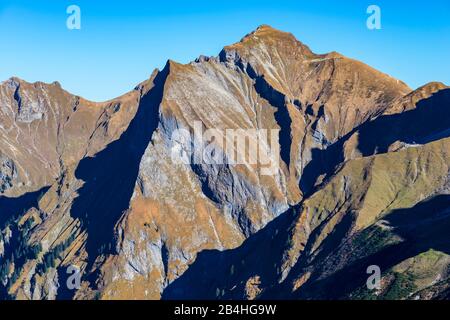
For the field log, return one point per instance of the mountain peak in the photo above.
(268, 36)
(433, 86)
(409, 101)
(107, 186)
(266, 27)
(268, 30)
(16, 81)
(13, 81)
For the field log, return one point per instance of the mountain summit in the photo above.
(362, 180)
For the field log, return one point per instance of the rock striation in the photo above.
(362, 179)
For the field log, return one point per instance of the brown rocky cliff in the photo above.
(134, 221)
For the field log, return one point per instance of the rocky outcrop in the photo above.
(125, 195)
(8, 174)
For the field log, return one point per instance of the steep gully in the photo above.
(260, 255)
(110, 176)
(374, 137)
(422, 227)
(122, 157)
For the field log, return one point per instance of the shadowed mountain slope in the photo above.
(101, 185)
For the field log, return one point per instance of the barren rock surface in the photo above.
(361, 177)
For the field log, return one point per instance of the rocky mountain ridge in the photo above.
(94, 185)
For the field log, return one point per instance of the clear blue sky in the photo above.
(121, 42)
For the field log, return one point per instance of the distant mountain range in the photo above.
(362, 179)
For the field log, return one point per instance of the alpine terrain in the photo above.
(94, 191)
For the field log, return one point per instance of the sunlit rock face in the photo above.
(120, 190)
